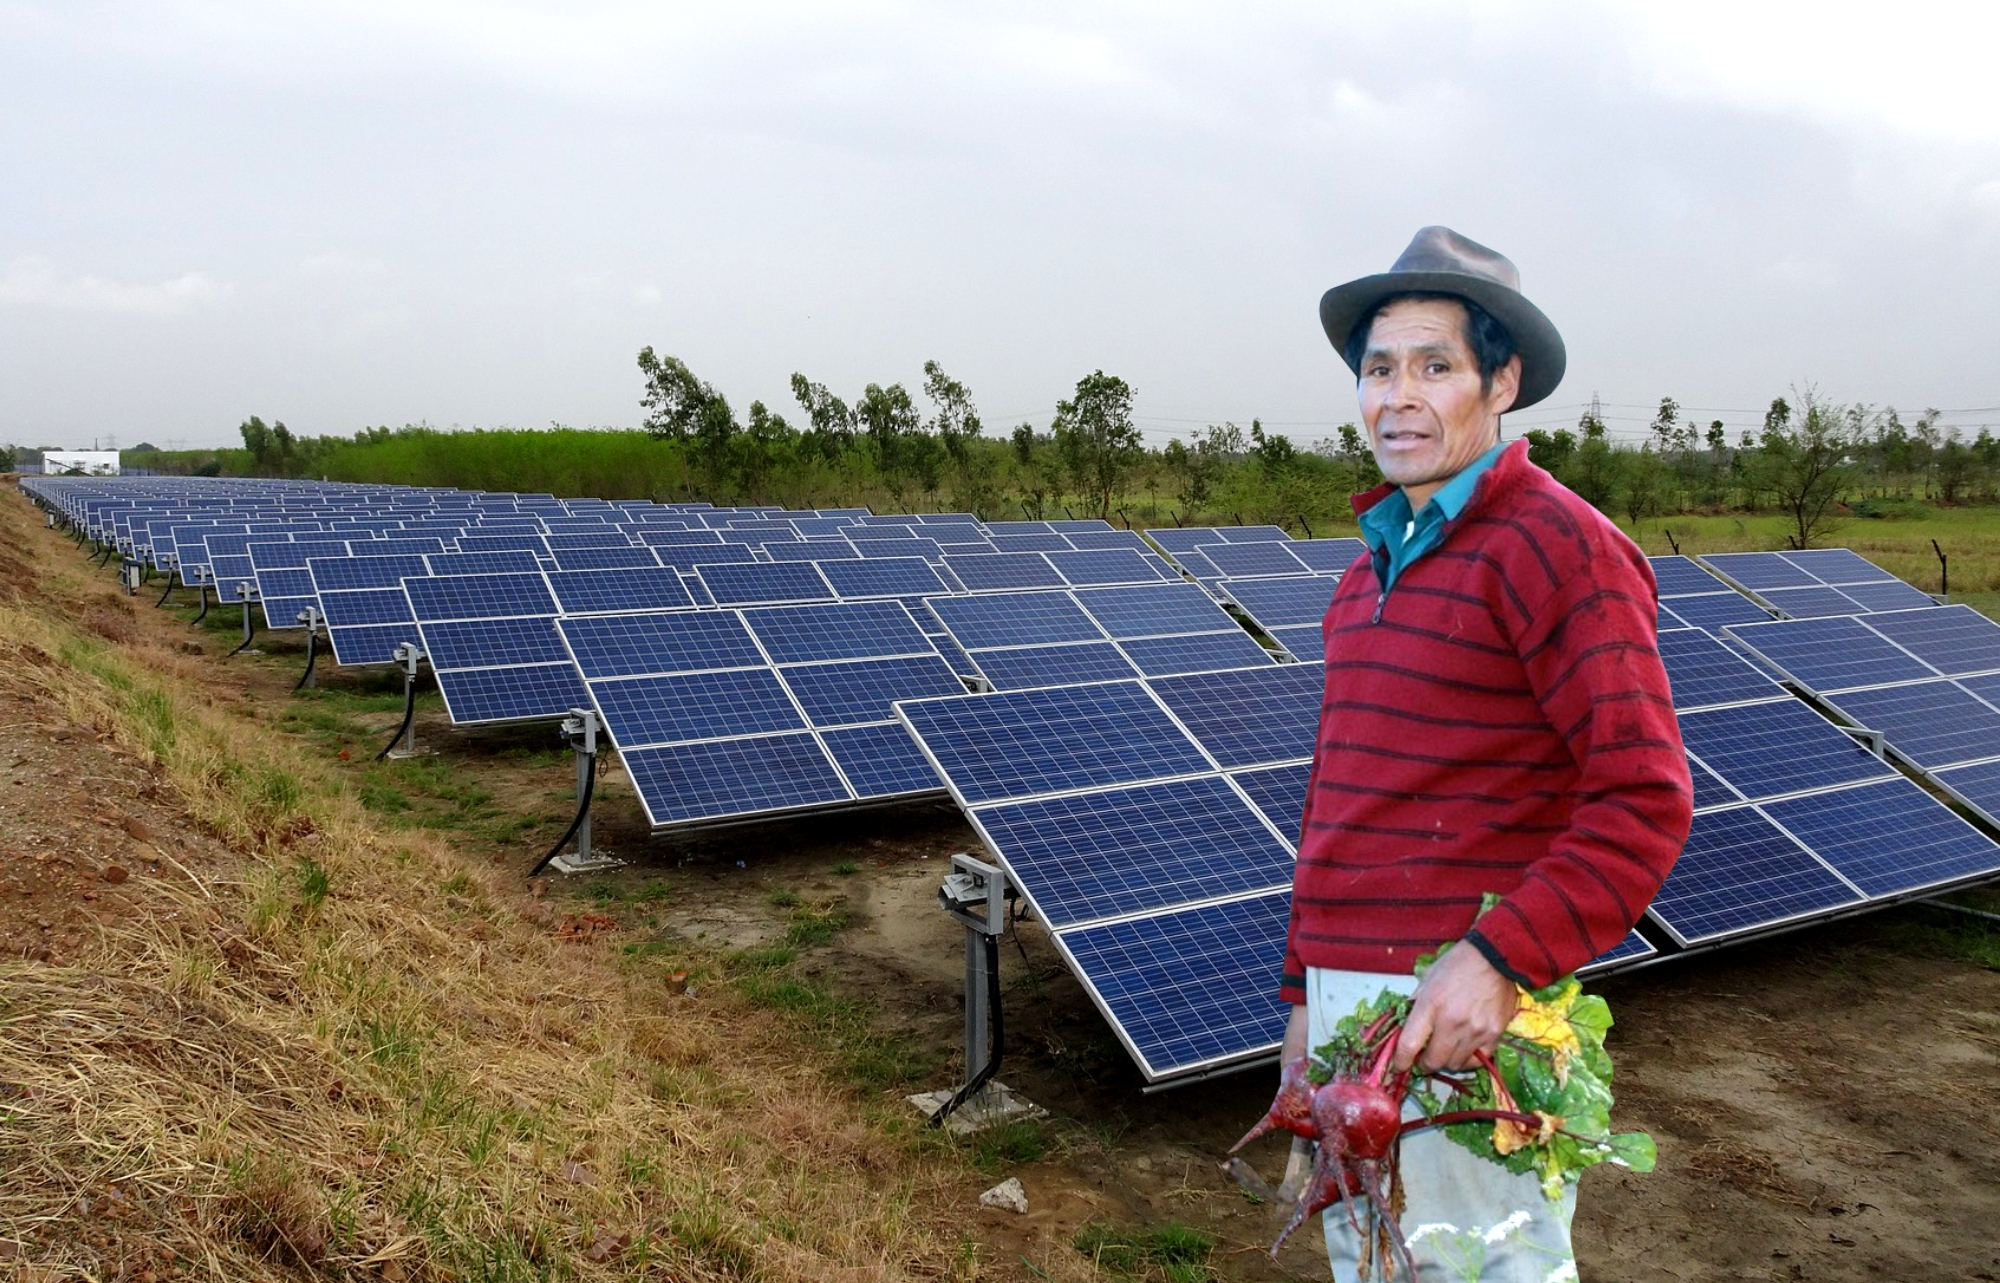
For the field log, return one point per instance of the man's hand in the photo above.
(1461, 1007)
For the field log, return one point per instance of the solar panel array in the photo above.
(1928, 680)
(1140, 763)
(1152, 825)
(725, 714)
(1819, 583)
(1051, 638)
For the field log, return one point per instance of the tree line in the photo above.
(898, 449)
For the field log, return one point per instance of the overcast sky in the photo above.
(344, 214)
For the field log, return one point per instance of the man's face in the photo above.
(1427, 416)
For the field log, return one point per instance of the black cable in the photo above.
(997, 1044)
(582, 809)
(312, 657)
(168, 593)
(409, 714)
(201, 590)
(249, 629)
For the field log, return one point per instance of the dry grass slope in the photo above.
(353, 1055)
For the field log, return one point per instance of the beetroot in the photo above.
(1292, 1110)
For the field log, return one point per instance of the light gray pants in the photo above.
(1465, 1217)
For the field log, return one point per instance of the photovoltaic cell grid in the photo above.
(1050, 638)
(1818, 583)
(1151, 826)
(795, 700)
(492, 645)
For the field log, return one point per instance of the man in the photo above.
(1496, 719)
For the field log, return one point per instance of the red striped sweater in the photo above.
(1497, 722)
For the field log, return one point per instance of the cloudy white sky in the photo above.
(387, 211)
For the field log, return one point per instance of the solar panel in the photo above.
(813, 550)
(1632, 946)
(1740, 872)
(533, 544)
(1089, 856)
(849, 630)
(1759, 570)
(882, 577)
(1708, 789)
(1811, 603)
(1328, 556)
(623, 556)
(369, 644)
(1242, 559)
(1153, 610)
(997, 571)
(444, 597)
(1291, 601)
(1703, 673)
(1838, 566)
(673, 707)
(1014, 619)
(590, 592)
(1714, 611)
(1066, 664)
(1280, 793)
(1098, 540)
(724, 779)
(1024, 743)
(1048, 541)
(1249, 716)
(1767, 750)
(1932, 724)
(882, 761)
(627, 645)
(1190, 989)
(1192, 652)
(1197, 565)
(1305, 644)
(1977, 786)
(1110, 566)
(483, 563)
(1831, 654)
(492, 643)
(398, 546)
(1252, 534)
(864, 690)
(1987, 687)
(755, 583)
(1894, 595)
(1952, 639)
(512, 694)
(334, 574)
(1889, 838)
(1679, 576)
(359, 606)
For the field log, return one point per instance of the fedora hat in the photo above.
(1440, 261)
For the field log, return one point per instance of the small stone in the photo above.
(115, 873)
(1008, 1196)
(139, 829)
(578, 1174)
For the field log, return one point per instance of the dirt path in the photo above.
(1825, 1103)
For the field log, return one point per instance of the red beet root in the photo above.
(1292, 1110)
(1362, 1114)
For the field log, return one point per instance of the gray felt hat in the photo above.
(1440, 261)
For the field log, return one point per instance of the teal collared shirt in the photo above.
(1392, 531)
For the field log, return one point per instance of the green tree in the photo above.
(956, 426)
(1807, 466)
(1276, 455)
(1593, 473)
(833, 422)
(1550, 451)
(1097, 439)
(1034, 469)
